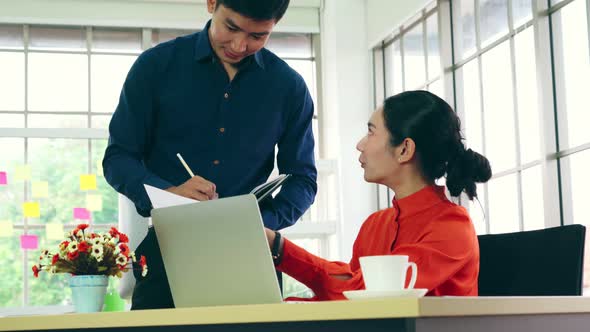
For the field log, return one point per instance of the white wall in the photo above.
(346, 108)
(302, 15)
(386, 15)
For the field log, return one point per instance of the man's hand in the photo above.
(196, 188)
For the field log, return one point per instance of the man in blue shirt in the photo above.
(224, 102)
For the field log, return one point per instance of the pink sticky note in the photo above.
(3, 179)
(81, 213)
(29, 242)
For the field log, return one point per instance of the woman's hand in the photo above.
(270, 236)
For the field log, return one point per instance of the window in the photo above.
(58, 89)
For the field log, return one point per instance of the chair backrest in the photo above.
(543, 262)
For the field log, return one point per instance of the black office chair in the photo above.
(544, 262)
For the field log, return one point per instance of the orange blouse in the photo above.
(435, 233)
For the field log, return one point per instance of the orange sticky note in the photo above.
(40, 189)
(6, 228)
(54, 231)
(88, 182)
(31, 210)
(22, 173)
(93, 202)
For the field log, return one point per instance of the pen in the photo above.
(188, 169)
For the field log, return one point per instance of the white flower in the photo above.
(96, 241)
(114, 240)
(73, 246)
(144, 271)
(116, 251)
(97, 252)
(53, 269)
(121, 260)
(132, 255)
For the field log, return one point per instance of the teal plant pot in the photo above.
(88, 292)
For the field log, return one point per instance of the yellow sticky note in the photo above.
(22, 173)
(31, 210)
(6, 228)
(88, 182)
(40, 189)
(99, 170)
(93, 202)
(54, 231)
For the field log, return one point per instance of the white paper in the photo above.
(162, 198)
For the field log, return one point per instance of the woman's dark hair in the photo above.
(259, 10)
(436, 130)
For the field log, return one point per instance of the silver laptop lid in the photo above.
(216, 253)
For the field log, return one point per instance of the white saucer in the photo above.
(368, 294)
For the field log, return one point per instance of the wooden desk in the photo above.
(427, 314)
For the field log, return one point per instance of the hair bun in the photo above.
(477, 166)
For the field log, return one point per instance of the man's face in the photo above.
(233, 36)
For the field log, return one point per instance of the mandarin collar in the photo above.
(419, 201)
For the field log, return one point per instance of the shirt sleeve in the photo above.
(130, 133)
(296, 157)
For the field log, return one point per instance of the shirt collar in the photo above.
(203, 48)
(419, 201)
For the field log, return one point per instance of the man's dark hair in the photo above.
(259, 10)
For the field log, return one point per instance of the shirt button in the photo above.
(221, 130)
(226, 95)
(215, 162)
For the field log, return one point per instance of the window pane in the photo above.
(393, 69)
(575, 68)
(58, 38)
(47, 289)
(12, 120)
(379, 78)
(414, 61)
(503, 202)
(164, 35)
(493, 17)
(290, 45)
(477, 212)
(109, 214)
(60, 162)
(522, 11)
(11, 278)
(57, 121)
(109, 40)
(11, 36)
(498, 108)
(526, 88)
(100, 121)
(472, 102)
(433, 47)
(12, 194)
(306, 70)
(437, 88)
(58, 82)
(532, 198)
(464, 17)
(12, 81)
(108, 72)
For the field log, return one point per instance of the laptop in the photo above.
(216, 253)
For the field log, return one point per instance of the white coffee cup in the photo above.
(387, 272)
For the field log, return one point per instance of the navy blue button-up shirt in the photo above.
(177, 98)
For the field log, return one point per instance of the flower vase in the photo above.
(88, 292)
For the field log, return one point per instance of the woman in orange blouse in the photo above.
(412, 140)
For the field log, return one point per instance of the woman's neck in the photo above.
(410, 184)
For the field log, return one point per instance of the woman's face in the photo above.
(378, 157)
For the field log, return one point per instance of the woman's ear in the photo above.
(407, 150)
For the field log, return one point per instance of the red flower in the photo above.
(82, 226)
(36, 271)
(123, 238)
(142, 262)
(73, 255)
(124, 249)
(114, 232)
(54, 259)
(83, 246)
